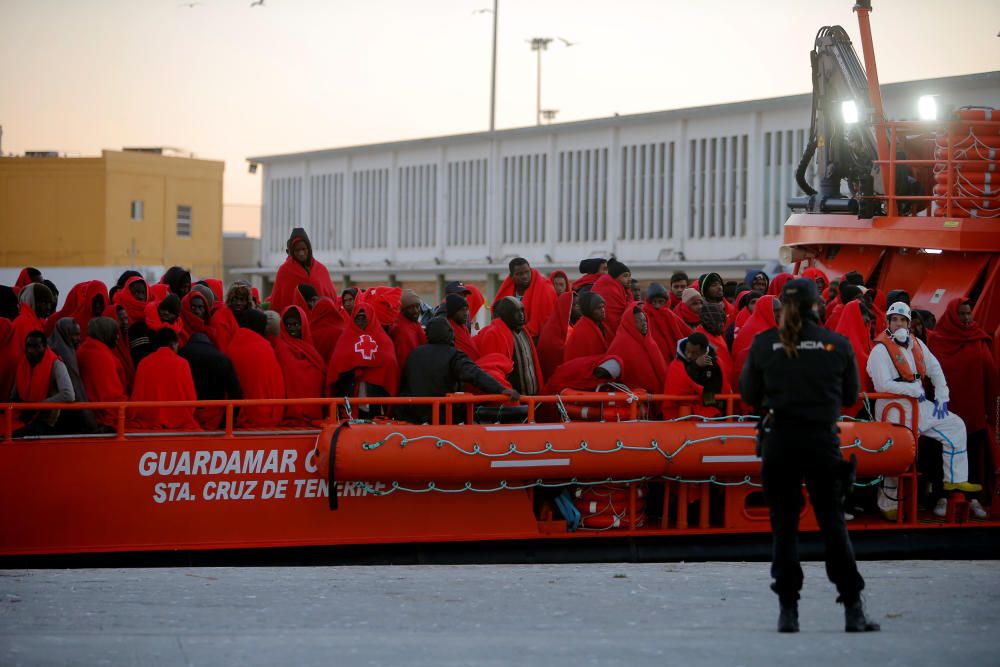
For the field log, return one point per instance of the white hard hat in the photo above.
(898, 308)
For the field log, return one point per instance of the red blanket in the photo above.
(688, 316)
(367, 353)
(192, 323)
(385, 301)
(584, 280)
(154, 322)
(643, 367)
(538, 300)
(464, 340)
(291, 274)
(121, 351)
(761, 320)
(617, 299)
(224, 325)
(722, 355)
(10, 357)
(852, 326)
(304, 371)
(498, 338)
(24, 324)
(163, 376)
(79, 305)
(406, 335)
(552, 340)
(33, 382)
(103, 377)
(587, 339)
(326, 320)
(963, 350)
(666, 328)
(260, 376)
(778, 283)
(135, 309)
(679, 383)
(578, 374)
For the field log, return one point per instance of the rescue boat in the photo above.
(355, 482)
(602, 468)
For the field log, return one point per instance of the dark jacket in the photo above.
(437, 369)
(140, 342)
(214, 376)
(810, 388)
(709, 377)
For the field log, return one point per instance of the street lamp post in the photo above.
(539, 44)
(493, 73)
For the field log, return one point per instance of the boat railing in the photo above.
(442, 408)
(947, 135)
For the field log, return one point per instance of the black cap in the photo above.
(802, 290)
(616, 268)
(592, 265)
(456, 287)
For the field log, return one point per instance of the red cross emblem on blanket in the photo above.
(366, 347)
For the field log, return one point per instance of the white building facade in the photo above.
(694, 189)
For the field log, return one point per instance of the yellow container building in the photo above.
(125, 209)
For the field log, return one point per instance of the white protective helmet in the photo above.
(898, 308)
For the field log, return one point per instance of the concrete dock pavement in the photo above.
(705, 614)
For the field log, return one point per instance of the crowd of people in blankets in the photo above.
(184, 340)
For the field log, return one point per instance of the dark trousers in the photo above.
(811, 452)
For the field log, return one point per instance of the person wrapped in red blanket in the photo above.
(644, 367)
(162, 375)
(300, 267)
(558, 328)
(532, 290)
(457, 311)
(592, 269)
(364, 360)
(101, 369)
(406, 333)
(615, 288)
(694, 371)
(303, 368)
(963, 350)
(257, 368)
(508, 336)
(589, 335)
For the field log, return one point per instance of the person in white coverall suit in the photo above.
(897, 365)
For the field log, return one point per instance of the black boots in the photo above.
(855, 619)
(788, 619)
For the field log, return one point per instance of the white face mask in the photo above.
(901, 335)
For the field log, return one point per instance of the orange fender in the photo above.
(494, 453)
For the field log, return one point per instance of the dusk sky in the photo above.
(227, 81)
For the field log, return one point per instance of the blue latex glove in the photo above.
(940, 409)
(922, 397)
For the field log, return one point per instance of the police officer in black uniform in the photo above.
(798, 377)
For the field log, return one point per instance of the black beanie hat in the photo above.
(592, 265)
(438, 330)
(171, 303)
(654, 290)
(454, 303)
(616, 268)
(854, 278)
(254, 320)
